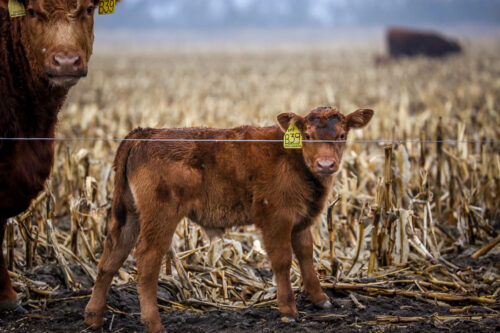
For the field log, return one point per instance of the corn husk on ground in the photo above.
(397, 211)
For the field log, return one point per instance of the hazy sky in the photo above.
(221, 14)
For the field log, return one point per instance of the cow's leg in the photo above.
(8, 297)
(303, 248)
(277, 242)
(154, 240)
(117, 246)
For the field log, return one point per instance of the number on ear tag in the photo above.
(292, 138)
(106, 7)
(16, 9)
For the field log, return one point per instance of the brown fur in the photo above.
(220, 185)
(32, 90)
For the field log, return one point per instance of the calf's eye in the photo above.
(31, 12)
(90, 10)
(342, 136)
(307, 136)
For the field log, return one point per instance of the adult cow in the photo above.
(408, 42)
(42, 55)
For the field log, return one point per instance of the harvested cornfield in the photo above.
(410, 239)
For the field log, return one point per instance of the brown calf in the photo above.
(220, 185)
(42, 54)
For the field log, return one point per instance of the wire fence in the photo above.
(388, 141)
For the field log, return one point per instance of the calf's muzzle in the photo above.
(326, 166)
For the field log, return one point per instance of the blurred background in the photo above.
(168, 22)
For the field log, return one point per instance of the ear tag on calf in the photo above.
(16, 9)
(292, 138)
(106, 7)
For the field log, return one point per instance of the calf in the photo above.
(43, 53)
(221, 185)
(405, 42)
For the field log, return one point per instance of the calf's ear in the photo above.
(359, 118)
(284, 120)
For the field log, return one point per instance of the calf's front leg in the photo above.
(302, 243)
(277, 242)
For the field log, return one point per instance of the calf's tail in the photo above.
(119, 206)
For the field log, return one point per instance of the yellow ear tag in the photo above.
(292, 138)
(16, 9)
(106, 7)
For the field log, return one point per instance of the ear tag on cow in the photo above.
(16, 9)
(106, 7)
(293, 137)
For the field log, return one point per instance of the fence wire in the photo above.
(388, 141)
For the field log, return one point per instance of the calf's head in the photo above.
(323, 158)
(60, 36)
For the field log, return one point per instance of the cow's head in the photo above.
(60, 36)
(325, 123)
(454, 46)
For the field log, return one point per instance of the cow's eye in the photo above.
(90, 10)
(31, 12)
(307, 136)
(342, 136)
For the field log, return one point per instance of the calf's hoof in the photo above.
(20, 310)
(289, 313)
(324, 304)
(154, 327)
(12, 306)
(287, 319)
(94, 319)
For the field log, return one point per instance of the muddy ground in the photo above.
(55, 314)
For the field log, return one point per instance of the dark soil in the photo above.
(58, 315)
(67, 316)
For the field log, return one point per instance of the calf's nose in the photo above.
(327, 166)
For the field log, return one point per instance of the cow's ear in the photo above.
(359, 118)
(4, 4)
(284, 120)
(96, 2)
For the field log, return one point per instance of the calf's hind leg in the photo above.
(303, 248)
(154, 240)
(117, 246)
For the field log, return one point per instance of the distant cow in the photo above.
(405, 42)
(221, 185)
(42, 54)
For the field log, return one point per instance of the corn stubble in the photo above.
(396, 210)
